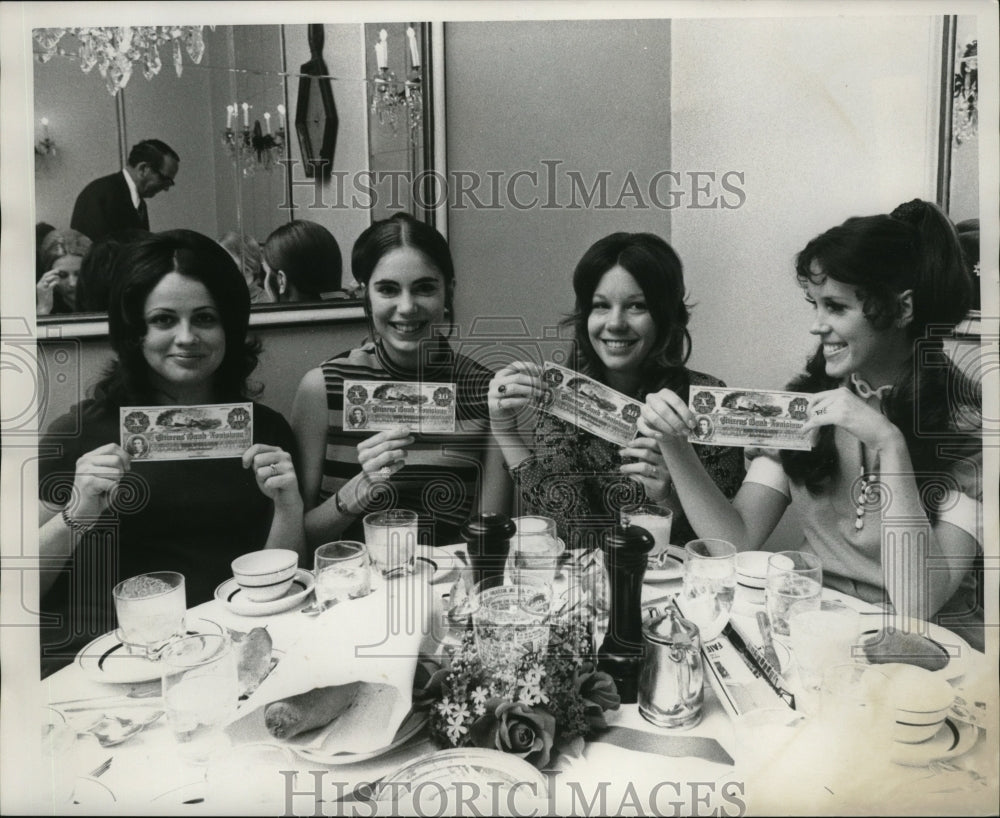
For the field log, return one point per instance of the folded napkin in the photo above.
(374, 640)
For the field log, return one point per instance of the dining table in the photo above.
(729, 763)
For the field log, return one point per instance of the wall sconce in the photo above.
(256, 148)
(390, 97)
(45, 146)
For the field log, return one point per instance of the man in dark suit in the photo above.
(118, 202)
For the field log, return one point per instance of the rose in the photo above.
(513, 727)
(599, 693)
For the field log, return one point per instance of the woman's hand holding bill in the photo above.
(274, 472)
(841, 407)
(513, 395)
(97, 473)
(647, 468)
(45, 292)
(665, 417)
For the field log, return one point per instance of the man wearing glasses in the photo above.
(118, 201)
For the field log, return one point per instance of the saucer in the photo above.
(105, 659)
(671, 568)
(952, 739)
(232, 596)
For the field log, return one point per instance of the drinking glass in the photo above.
(343, 572)
(535, 549)
(391, 537)
(657, 520)
(709, 585)
(200, 692)
(794, 583)
(150, 610)
(587, 597)
(60, 758)
(510, 620)
(821, 639)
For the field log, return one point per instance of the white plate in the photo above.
(232, 596)
(105, 659)
(672, 568)
(958, 651)
(954, 738)
(445, 767)
(412, 724)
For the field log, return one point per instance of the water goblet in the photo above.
(510, 620)
(343, 572)
(794, 583)
(709, 585)
(200, 692)
(656, 519)
(535, 548)
(151, 611)
(391, 537)
(821, 639)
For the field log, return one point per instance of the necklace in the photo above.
(865, 390)
(867, 489)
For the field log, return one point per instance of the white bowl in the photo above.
(753, 565)
(922, 700)
(266, 575)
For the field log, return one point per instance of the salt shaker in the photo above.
(671, 681)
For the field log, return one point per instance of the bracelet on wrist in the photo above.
(76, 525)
(341, 508)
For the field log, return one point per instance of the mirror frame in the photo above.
(95, 325)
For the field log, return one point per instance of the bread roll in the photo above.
(308, 711)
(892, 645)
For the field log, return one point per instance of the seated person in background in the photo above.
(42, 229)
(118, 201)
(887, 450)
(630, 325)
(178, 319)
(60, 256)
(93, 287)
(408, 276)
(302, 262)
(246, 252)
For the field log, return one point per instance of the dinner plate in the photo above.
(954, 738)
(481, 772)
(412, 724)
(672, 567)
(105, 659)
(951, 645)
(232, 596)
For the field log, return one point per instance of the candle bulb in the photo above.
(382, 49)
(246, 114)
(414, 53)
(45, 127)
(281, 115)
(230, 112)
(267, 121)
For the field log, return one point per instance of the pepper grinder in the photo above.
(488, 538)
(620, 656)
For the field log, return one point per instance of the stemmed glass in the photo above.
(709, 585)
(794, 584)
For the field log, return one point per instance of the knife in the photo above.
(765, 631)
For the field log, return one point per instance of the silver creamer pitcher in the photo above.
(672, 675)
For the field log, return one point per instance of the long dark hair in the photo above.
(658, 271)
(402, 230)
(309, 256)
(138, 268)
(915, 248)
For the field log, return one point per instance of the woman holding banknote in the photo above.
(630, 325)
(895, 426)
(178, 322)
(406, 270)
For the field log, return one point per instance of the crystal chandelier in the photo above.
(391, 98)
(253, 148)
(115, 51)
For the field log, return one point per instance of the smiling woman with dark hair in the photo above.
(178, 317)
(630, 325)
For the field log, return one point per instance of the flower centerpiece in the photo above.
(549, 699)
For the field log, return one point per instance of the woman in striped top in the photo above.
(406, 270)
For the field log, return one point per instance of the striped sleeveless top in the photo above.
(442, 476)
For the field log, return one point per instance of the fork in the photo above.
(101, 768)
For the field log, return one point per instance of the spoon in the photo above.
(111, 731)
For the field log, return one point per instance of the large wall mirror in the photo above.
(244, 119)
